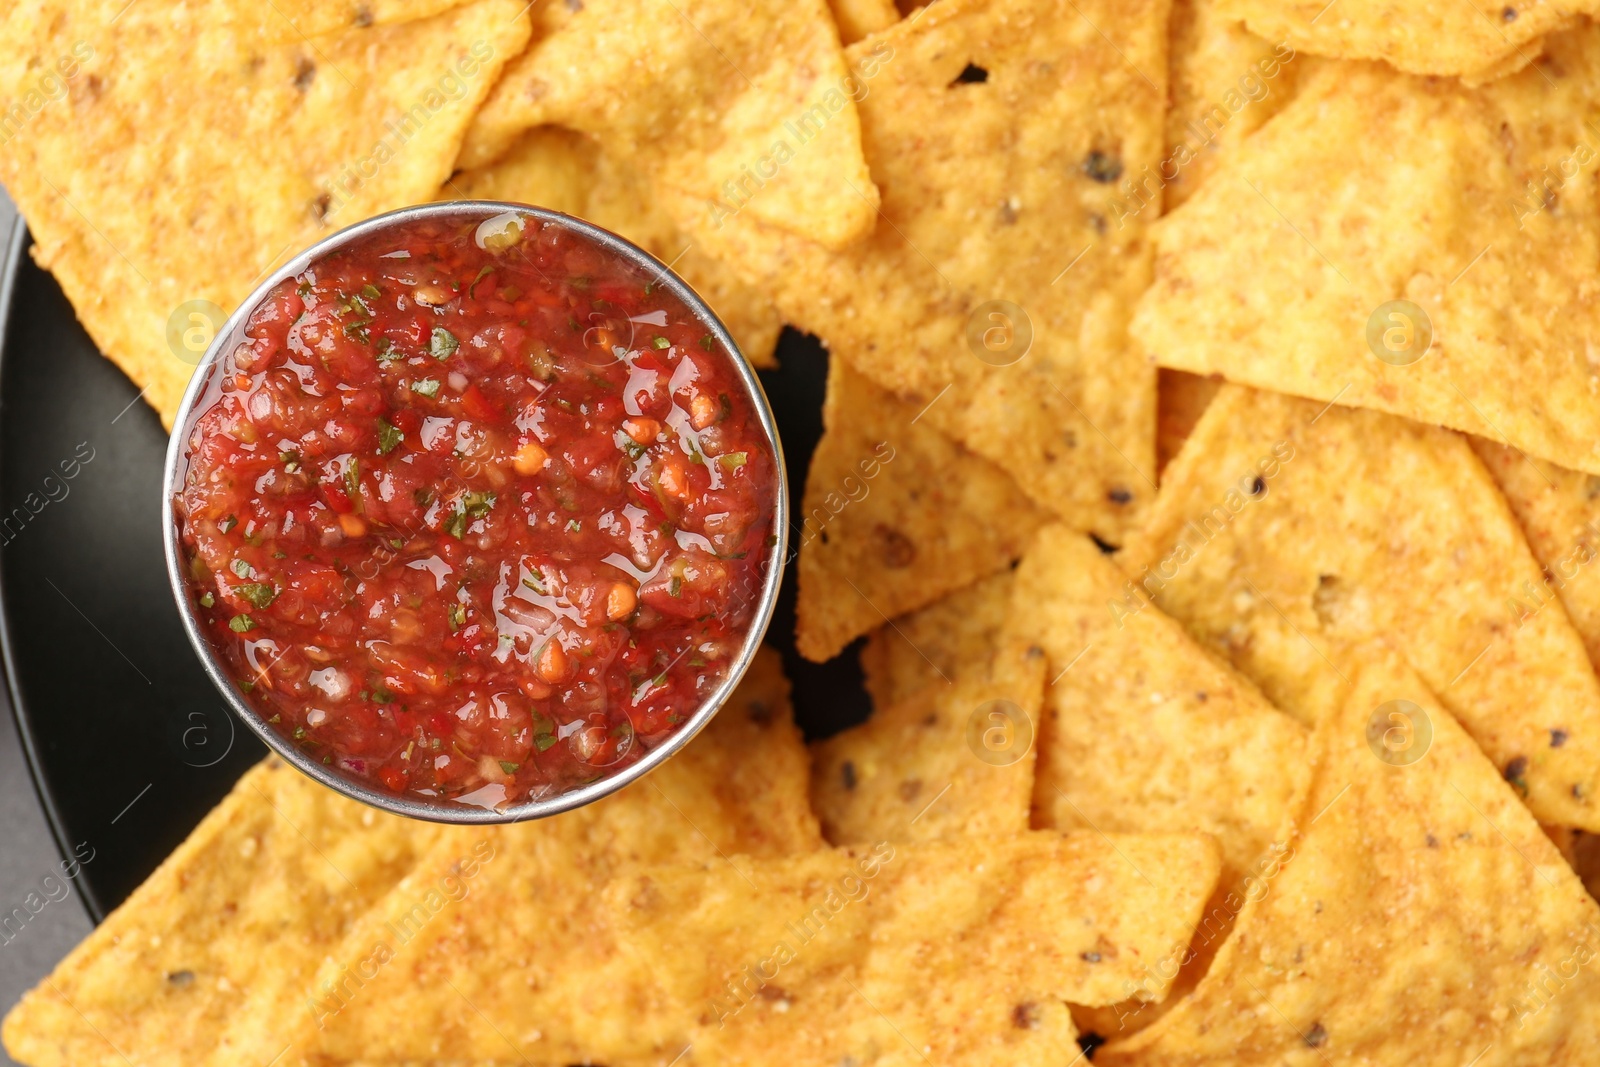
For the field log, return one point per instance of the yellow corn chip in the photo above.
(993, 294)
(1453, 285)
(1286, 529)
(954, 952)
(566, 171)
(205, 961)
(743, 104)
(1559, 510)
(956, 758)
(295, 20)
(1226, 83)
(896, 515)
(1479, 41)
(1421, 917)
(942, 641)
(533, 970)
(1181, 400)
(858, 18)
(230, 154)
(1143, 730)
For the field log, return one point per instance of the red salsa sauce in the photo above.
(477, 510)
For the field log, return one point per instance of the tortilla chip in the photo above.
(1226, 82)
(997, 129)
(956, 758)
(743, 101)
(896, 515)
(858, 18)
(1478, 41)
(567, 171)
(1181, 400)
(937, 643)
(206, 958)
(952, 953)
(1421, 917)
(533, 971)
(1287, 529)
(1283, 271)
(283, 21)
(1143, 730)
(1559, 510)
(230, 154)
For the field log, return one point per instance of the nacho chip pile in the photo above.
(1209, 492)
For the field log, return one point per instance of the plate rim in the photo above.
(16, 251)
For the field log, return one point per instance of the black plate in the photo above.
(128, 743)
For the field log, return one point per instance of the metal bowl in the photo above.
(203, 389)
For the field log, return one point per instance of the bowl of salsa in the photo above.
(475, 512)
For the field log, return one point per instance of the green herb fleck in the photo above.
(509, 767)
(352, 478)
(207, 600)
(227, 524)
(574, 526)
(241, 623)
(677, 586)
(370, 291)
(456, 525)
(458, 616)
(483, 270)
(535, 581)
(423, 497)
(258, 593)
(543, 741)
(240, 567)
(291, 463)
(477, 504)
(387, 352)
(396, 543)
(299, 733)
(661, 342)
(428, 387)
(389, 437)
(707, 342)
(357, 331)
(733, 460)
(443, 344)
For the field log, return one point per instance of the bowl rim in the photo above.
(411, 805)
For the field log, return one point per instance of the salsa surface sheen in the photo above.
(480, 511)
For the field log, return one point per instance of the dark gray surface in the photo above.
(28, 856)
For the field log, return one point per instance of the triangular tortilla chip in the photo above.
(952, 953)
(858, 18)
(956, 758)
(1559, 510)
(1286, 529)
(533, 970)
(1476, 40)
(187, 157)
(567, 171)
(997, 130)
(937, 643)
(1421, 918)
(742, 103)
(1226, 82)
(1284, 271)
(1143, 730)
(895, 515)
(205, 960)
